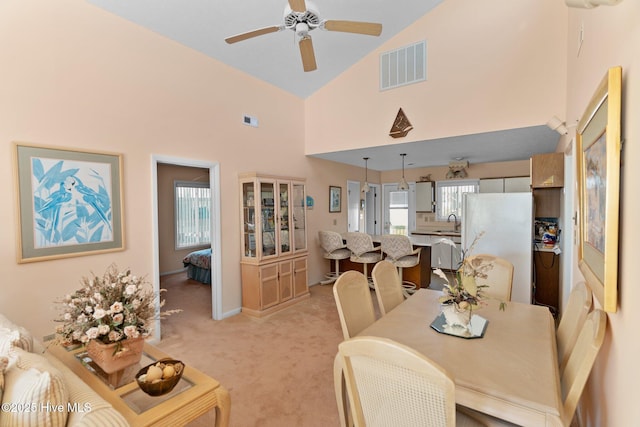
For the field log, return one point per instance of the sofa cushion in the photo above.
(4, 361)
(20, 336)
(87, 407)
(34, 392)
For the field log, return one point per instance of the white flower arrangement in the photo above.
(110, 308)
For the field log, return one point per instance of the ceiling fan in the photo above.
(302, 17)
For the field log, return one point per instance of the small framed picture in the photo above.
(335, 198)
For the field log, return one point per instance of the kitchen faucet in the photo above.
(455, 221)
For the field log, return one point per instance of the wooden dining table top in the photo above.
(511, 372)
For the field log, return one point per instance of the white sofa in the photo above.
(37, 389)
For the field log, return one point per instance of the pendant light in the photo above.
(403, 186)
(365, 187)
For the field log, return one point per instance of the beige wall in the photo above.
(170, 258)
(474, 171)
(611, 38)
(76, 76)
(505, 71)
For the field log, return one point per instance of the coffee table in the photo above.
(194, 395)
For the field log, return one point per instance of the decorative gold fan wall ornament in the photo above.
(302, 17)
(401, 125)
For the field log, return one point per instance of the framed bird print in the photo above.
(69, 202)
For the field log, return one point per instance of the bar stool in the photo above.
(363, 251)
(334, 249)
(400, 252)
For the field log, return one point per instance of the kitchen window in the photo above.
(449, 197)
(192, 214)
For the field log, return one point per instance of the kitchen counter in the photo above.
(449, 233)
(541, 247)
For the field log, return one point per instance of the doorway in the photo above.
(216, 259)
(363, 209)
(399, 209)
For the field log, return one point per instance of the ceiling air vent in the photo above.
(403, 66)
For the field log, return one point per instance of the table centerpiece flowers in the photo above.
(111, 315)
(462, 294)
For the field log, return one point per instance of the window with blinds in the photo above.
(449, 197)
(192, 214)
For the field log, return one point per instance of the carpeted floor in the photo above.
(278, 370)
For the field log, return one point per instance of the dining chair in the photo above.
(334, 249)
(363, 251)
(399, 250)
(571, 321)
(580, 362)
(388, 286)
(499, 279)
(353, 300)
(389, 384)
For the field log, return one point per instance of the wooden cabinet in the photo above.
(300, 278)
(547, 202)
(273, 242)
(424, 196)
(547, 170)
(547, 180)
(547, 279)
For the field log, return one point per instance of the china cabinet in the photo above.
(273, 242)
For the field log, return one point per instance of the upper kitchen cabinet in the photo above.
(424, 196)
(547, 170)
(505, 185)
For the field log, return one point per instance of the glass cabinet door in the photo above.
(267, 208)
(249, 218)
(299, 219)
(284, 218)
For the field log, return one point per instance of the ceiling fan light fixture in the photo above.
(403, 186)
(365, 187)
(302, 29)
(301, 17)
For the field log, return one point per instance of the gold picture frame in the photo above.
(598, 149)
(69, 202)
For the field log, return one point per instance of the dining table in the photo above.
(510, 371)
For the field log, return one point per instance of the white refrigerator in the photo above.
(507, 222)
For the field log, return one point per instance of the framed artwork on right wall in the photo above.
(598, 157)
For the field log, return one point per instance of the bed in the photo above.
(198, 265)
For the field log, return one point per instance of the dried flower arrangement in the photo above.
(110, 308)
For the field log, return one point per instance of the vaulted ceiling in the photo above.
(275, 58)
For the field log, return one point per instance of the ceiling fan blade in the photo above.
(367, 28)
(254, 33)
(297, 5)
(308, 57)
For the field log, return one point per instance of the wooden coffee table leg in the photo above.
(223, 408)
